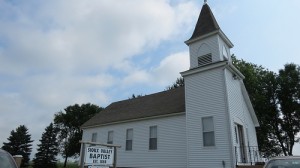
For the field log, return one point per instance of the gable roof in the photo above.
(158, 104)
(206, 23)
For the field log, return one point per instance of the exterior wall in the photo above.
(205, 97)
(206, 46)
(213, 44)
(239, 113)
(171, 142)
(222, 45)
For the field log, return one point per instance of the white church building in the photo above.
(208, 123)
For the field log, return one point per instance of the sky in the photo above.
(54, 54)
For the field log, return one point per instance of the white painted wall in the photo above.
(203, 47)
(212, 44)
(171, 152)
(239, 111)
(205, 96)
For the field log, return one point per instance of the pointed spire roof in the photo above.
(206, 22)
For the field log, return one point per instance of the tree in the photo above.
(178, 83)
(289, 104)
(47, 149)
(261, 86)
(136, 96)
(275, 99)
(68, 123)
(19, 143)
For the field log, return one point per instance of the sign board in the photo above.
(99, 156)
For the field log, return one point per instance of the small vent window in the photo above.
(204, 59)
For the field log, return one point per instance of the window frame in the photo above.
(110, 137)
(129, 140)
(153, 138)
(208, 132)
(94, 137)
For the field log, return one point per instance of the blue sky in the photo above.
(57, 53)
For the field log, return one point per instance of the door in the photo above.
(241, 147)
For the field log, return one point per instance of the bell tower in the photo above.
(208, 122)
(208, 44)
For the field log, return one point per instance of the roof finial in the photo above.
(205, 1)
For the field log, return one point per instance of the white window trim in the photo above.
(112, 137)
(156, 135)
(214, 132)
(128, 139)
(94, 137)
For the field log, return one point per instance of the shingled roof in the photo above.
(206, 23)
(158, 104)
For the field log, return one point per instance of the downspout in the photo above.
(231, 146)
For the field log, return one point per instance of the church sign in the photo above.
(99, 155)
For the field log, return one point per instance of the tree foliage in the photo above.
(47, 149)
(288, 94)
(275, 98)
(68, 123)
(261, 85)
(178, 83)
(136, 96)
(19, 143)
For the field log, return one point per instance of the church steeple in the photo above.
(208, 44)
(206, 22)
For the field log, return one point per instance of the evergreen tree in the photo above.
(47, 149)
(19, 143)
(136, 96)
(178, 83)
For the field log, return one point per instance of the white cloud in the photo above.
(58, 53)
(170, 67)
(161, 75)
(89, 33)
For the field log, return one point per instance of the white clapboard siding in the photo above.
(205, 96)
(171, 150)
(239, 111)
(208, 46)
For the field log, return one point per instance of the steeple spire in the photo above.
(206, 22)
(208, 43)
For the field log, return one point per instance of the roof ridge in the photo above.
(145, 96)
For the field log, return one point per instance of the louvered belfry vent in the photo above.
(204, 59)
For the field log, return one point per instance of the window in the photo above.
(225, 53)
(110, 137)
(236, 134)
(94, 137)
(208, 131)
(129, 137)
(153, 138)
(204, 59)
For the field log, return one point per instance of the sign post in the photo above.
(98, 156)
